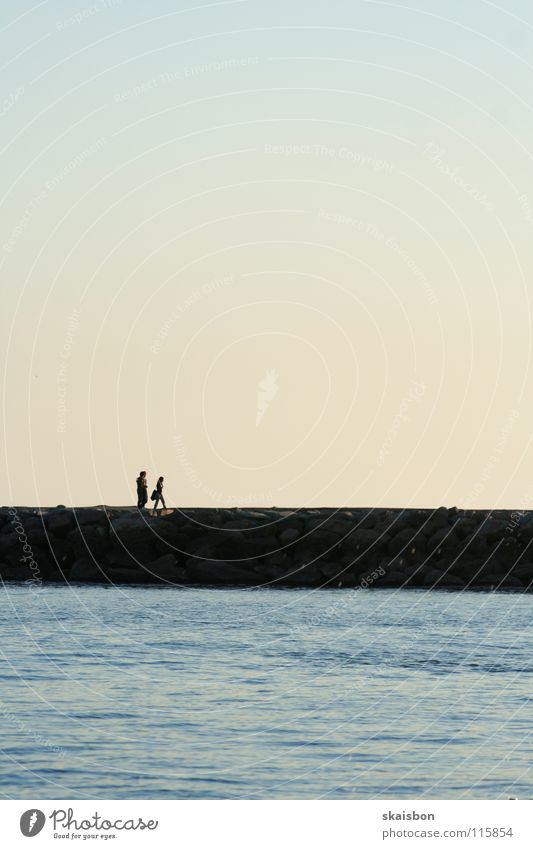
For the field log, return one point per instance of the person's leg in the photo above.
(156, 502)
(163, 503)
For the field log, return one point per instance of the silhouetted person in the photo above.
(158, 494)
(142, 490)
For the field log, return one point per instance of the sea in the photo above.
(164, 692)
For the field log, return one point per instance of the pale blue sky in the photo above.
(197, 198)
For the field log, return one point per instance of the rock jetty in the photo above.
(444, 548)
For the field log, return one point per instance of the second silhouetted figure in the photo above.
(157, 494)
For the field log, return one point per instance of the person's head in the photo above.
(142, 474)
(161, 479)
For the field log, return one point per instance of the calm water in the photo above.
(197, 693)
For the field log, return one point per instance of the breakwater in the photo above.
(447, 548)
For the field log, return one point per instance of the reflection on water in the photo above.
(162, 692)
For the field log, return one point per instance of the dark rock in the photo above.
(289, 535)
(277, 560)
(86, 570)
(363, 540)
(203, 550)
(468, 569)
(89, 540)
(91, 516)
(465, 528)
(125, 575)
(60, 521)
(509, 552)
(220, 572)
(332, 570)
(433, 577)
(524, 571)
(305, 575)
(403, 540)
(322, 539)
(510, 582)
(61, 552)
(239, 524)
(132, 529)
(392, 578)
(340, 527)
(448, 548)
(166, 568)
(443, 540)
(493, 529)
(121, 557)
(18, 570)
(33, 523)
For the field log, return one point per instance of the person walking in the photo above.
(157, 494)
(142, 490)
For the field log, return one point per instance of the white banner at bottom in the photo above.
(268, 824)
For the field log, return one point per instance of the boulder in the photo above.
(340, 527)
(125, 575)
(433, 577)
(133, 528)
(220, 572)
(304, 575)
(166, 568)
(86, 570)
(291, 520)
(445, 539)
(465, 528)
(493, 529)
(33, 523)
(403, 541)
(523, 571)
(16, 572)
(91, 516)
(87, 540)
(364, 539)
(61, 552)
(239, 524)
(392, 579)
(59, 521)
(280, 559)
(289, 535)
(119, 556)
(322, 539)
(332, 570)
(509, 552)
(510, 582)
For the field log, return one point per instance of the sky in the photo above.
(279, 253)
